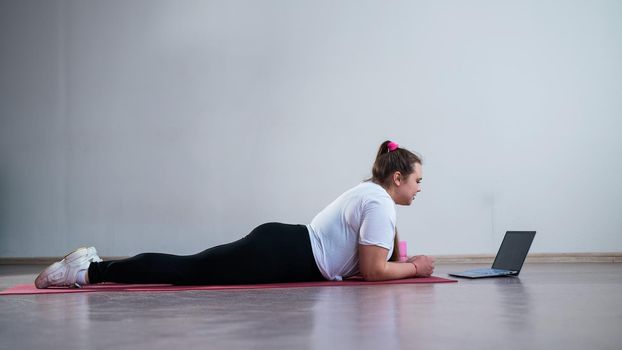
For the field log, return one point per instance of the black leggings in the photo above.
(271, 253)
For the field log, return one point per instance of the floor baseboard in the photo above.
(615, 257)
(44, 260)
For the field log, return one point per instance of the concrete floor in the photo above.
(550, 306)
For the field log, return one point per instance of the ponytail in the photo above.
(396, 248)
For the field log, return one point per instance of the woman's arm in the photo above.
(374, 266)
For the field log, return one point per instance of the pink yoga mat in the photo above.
(116, 287)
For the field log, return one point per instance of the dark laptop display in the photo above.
(509, 259)
(513, 251)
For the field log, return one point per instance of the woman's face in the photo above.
(406, 188)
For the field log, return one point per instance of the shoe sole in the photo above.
(42, 281)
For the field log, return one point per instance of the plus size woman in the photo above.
(355, 234)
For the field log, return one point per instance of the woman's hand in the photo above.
(424, 264)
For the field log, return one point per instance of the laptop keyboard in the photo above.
(489, 272)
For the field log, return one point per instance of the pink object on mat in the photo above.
(403, 248)
(117, 287)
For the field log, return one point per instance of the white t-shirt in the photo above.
(365, 215)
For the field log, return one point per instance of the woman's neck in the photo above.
(389, 190)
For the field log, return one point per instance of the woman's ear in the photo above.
(397, 178)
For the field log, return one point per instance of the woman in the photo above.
(354, 234)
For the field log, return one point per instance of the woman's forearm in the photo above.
(393, 271)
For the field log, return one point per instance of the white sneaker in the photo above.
(64, 272)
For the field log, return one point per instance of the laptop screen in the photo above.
(513, 250)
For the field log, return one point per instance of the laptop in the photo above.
(509, 259)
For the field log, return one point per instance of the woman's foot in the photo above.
(64, 272)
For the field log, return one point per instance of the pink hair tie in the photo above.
(392, 146)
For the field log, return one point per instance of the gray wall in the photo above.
(177, 125)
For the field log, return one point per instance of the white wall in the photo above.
(177, 125)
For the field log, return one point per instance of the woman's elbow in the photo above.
(372, 275)
(371, 278)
